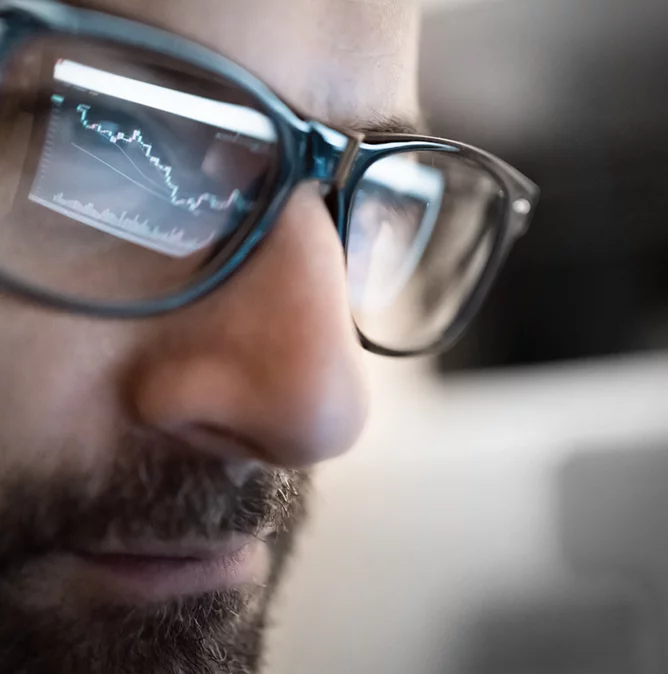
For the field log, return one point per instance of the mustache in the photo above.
(157, 488)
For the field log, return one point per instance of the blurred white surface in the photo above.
(450, 502)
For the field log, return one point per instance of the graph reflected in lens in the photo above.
(104, 168)
(123, 170)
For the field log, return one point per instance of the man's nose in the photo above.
(269, 366)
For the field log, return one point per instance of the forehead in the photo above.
(342, 61)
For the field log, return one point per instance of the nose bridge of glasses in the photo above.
(331, 153)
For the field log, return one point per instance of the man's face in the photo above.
(131, 450)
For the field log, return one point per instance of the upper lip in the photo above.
(179, 549)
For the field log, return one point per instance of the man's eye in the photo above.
(364, 226)
(375, 216)
(382, 232)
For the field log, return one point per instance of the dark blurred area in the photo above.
(573, 93)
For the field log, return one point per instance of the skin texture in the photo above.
(95, 416)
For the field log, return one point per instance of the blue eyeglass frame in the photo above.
(311, 150)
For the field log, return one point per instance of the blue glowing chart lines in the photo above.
(105, 165)
(162, 185)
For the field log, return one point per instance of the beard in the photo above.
(157, 489)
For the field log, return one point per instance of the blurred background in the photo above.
(505, 511)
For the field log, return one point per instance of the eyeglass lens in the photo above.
(422, 230)
(118, 179)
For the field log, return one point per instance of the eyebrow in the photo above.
(387, 126)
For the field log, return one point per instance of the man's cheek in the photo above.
(59, 399)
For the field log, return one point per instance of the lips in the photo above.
(180, 549)
(146, 570)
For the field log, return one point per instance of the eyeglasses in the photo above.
(138, 171)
